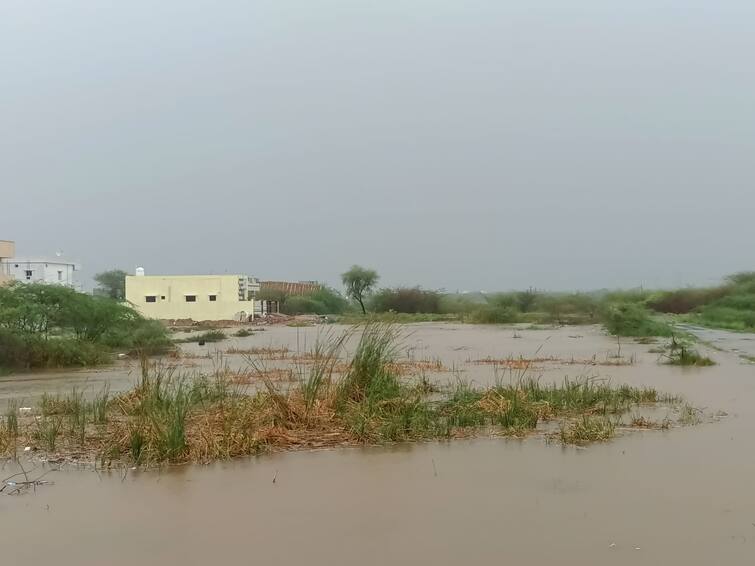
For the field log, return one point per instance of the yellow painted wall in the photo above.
(7, 251)
(171, 291)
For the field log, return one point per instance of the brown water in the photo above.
(682, 496)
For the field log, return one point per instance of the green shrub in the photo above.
(683, 301)
(567, 308)
(628, 319)
(35, 351)
(52, 326)
(406, 300)
(323, 301)
(493, 314)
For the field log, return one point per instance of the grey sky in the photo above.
(466, 145)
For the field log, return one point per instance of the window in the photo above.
(28, 274)
(60, 275)
(162, 297)
(213, 298)
(151, 298)
(191, 298)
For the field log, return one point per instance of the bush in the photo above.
(34, 351)
(493, 314)
(684, 301)
(567, 308)
(627, 319)
(406, 300)
(145, 336)
(323, 301)
(52, 326)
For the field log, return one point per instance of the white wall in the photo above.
(41, 271)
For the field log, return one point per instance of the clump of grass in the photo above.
(679, 353)
(48, 430)
(689, 415)
(70, 405)
(98, 406)
(263, 353)
(243, 333)
(586, 430)
(137, 442)
(209, 336)
(9, 428)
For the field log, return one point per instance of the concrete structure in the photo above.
(196, 297)
(57, 271)
(291, 287)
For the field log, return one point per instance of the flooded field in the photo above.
(680, 496)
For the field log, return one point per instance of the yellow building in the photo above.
(198, 297)
(7, 251)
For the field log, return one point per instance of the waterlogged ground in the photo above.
(682, 496)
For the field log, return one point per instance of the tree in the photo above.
(359, 282)
(112, 283)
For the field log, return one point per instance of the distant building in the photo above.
(195, 297)
(57, 271)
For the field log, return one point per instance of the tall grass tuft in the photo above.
(48, 430)
(98, 406)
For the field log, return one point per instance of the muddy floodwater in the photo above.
(679, 496)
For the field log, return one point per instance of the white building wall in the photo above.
(54, 272)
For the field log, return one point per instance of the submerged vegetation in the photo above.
(53, 326)
(679, 352)
(209, 336)
(170, 417)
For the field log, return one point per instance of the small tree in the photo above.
(112, 283)
(359, 282)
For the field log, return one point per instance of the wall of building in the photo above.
(28, 270)
(7, 251)
(164, 297)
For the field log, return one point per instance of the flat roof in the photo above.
(58, 260)
(186, 276)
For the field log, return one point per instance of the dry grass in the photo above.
(268, 353)
(521, 363)
(518, 363)
(417, 367)
(262, 375)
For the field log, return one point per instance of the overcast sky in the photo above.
(462, 145)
